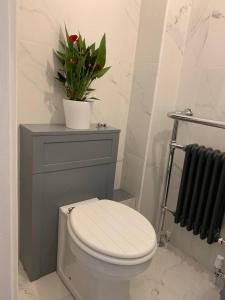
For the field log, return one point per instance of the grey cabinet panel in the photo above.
(52, 153)
(57, 170)
(63, 152)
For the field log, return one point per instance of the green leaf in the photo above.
(94, 98)
(81, 65)
(102, 72)
(66, 31)
(61, 54)
(101, 55)
(75, 46)
(92, 47)
(80, 42)
(62, 45)
(69, 42)
(60, 57)
(84, 45)
(61, 78)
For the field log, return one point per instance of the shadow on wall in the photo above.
(159, 154)
(53, 98)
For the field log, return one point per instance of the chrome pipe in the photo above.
(170, 210)
(187, 116)
(167, 184)
(172, 146)
(175, 145)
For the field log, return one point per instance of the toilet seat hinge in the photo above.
(70, 209)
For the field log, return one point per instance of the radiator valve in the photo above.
(219, 262)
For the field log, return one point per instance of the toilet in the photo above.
(102, 245)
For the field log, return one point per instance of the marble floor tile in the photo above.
(49, 287)
(171, 276)
(25, 290)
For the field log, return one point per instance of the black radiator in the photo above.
(201, 200)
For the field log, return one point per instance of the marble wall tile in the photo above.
(177, 21)
(144, 79)
(39, 95)
(166, 90)
(132, 174)
(38, 29)
(119, 166)
(201, 87)
(140, 108)
(151, 191)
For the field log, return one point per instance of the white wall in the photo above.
(171, 59)
(8, 149)
(201, 87)
(38, 23)
(191, 74)
(145, 73)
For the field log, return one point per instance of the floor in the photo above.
(171, 276)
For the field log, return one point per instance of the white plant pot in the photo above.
(77, 114)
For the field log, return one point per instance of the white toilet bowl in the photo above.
(102, 245)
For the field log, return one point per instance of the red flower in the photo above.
(73, 61)
(73, 38)
(98, 67)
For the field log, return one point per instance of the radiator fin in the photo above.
(201, 199)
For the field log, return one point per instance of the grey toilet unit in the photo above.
(59, 166)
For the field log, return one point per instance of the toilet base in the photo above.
(91, 288)
(80, 281)
(86, 276)
(84, 285)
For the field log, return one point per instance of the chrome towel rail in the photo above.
(186, 116)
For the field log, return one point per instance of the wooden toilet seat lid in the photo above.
(113, 229)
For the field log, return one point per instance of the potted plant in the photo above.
(81, 65)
